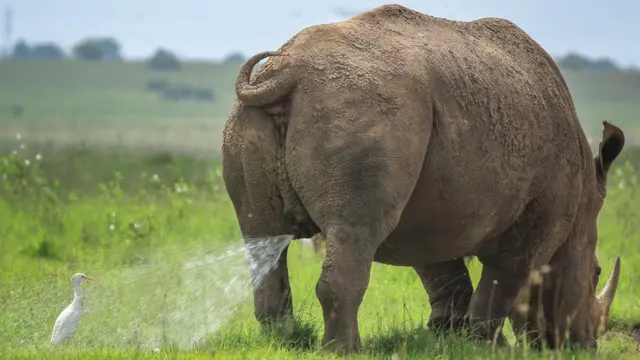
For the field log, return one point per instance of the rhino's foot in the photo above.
(449, 288)
(341, 335)
(493, 301)
(488, 332)
(272, 298)
(274, 312)
(340, 306)
(281, 326)
(342, 346)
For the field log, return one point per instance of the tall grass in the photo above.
(136, 220)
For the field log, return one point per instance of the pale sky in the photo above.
(214, 28)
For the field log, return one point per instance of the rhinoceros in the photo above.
(416, 141)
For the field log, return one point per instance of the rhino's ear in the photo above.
(610, 147)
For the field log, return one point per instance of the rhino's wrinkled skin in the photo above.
(414, 141)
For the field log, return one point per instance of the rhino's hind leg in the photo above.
(449, 287)
(356, 210)
(342, 285)
(273, 300)
(354, 171)
(248, 155)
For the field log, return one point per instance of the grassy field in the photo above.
(108, 104)
(109, 179)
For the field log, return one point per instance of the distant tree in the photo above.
(47, 51)
(21, 50)
(164, 60)
(575, 61)
(235, 57)
(110, 48)
(88, 50)
(97, 49)
(604, 64)
(43, 51)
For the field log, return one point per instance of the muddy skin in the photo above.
(417, 141)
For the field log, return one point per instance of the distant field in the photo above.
(107, 104)
(613, 95)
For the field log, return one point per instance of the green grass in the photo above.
(162, 284)
(127, 188)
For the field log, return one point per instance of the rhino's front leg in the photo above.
(449, 287)
(493, 300)
(271, 289)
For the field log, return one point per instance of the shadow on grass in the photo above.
(625, 325)
(421, 342)
(417, 342)
(300, 336)
(626, 328)
(290, 335)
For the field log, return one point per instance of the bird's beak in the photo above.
(90, 278)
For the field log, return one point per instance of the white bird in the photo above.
(69, 319)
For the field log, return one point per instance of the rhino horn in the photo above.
(265, 92)
(605, 298)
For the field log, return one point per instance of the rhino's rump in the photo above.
(501, 118)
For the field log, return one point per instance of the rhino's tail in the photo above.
(265, 92)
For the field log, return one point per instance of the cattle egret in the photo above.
(69, 319)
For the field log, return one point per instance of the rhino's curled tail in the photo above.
(265, 92)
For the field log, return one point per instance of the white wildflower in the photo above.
(18, 137)
(27, 162)
(181, 188)
(38, 157)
